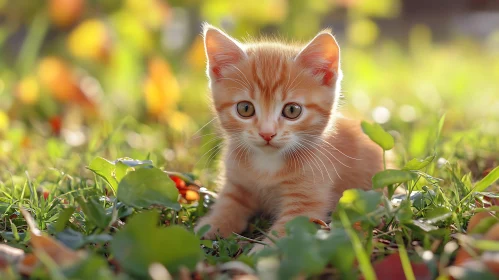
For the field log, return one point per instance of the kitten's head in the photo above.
(271, 96)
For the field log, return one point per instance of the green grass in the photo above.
(124, 220)
(97, 185)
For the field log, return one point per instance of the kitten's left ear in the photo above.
(322, 57)
(221, 50)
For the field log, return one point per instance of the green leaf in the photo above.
(14, 230)
(113, 171)
(404, 212)
(391, 176)
(417, 164)
(134, 163)
(363, 202)
(437, 214)
(92, 267)
(141, 243)
(337, 247)
(63, 218)
(94, 212)
(301, 251)
(75, 240)
(301, 223)
(145, 187)
(424, 225)
(204, 229)
(488, 180)
(378, 135)
(106, 170)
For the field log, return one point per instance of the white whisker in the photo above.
(334, 167)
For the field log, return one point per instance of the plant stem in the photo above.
(32, 43)
(404, 259)
(364, 261)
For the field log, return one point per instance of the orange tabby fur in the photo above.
(304, 169)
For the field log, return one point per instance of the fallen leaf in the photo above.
(391, 268)
(491, 260)
(492, 233)
(9, 256)
(477, 220)
(462, 256)
(41, 243)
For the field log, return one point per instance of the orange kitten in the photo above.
(288, 151)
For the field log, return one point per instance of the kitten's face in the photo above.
(271, 97)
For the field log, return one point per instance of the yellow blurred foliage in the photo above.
(90, 40)
(152, 13)
(179, 121)
(28, 90)
(362, 32)
(377, 8)
(161, 89)
(272, 11)
(63, 13)
(196, 55)
(135, 32)
(4, 121)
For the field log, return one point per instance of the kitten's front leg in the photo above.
(297, 200)
(230, 213)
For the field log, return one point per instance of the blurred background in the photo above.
(112, 78)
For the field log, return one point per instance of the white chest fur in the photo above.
(267, 162)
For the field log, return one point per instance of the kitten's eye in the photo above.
(245, 109)
(291, 111)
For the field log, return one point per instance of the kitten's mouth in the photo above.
(269, 145)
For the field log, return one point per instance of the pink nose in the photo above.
(267, 136)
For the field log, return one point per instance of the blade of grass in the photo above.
(404, 259)
(484, 183)
(487, 180)
(32, 43)
(364, 262)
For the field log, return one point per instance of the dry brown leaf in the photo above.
(492, 233)
(391, 268)
(475, 220)
(9, 256)
(491, 260)
(28, 264)
(60, 254)
(462, 256)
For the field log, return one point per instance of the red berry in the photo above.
(179, 182)
(45, 194)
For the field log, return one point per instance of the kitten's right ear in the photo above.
(221, 50)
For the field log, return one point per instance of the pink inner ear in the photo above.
(216, 71)
(321, 56)
(320, 65)
(221, 61)
(327, 79)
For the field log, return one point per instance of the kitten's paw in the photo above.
(219, 227)
(211, 233)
